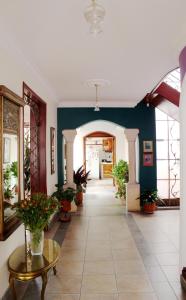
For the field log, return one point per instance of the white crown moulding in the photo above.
(91, 104)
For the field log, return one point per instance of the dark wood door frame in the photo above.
(28, 92)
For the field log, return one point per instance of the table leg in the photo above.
(12, 286)
(44, 279)
(54, 270)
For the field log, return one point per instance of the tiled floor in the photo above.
(108, 255)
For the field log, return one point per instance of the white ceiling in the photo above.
(141, 42)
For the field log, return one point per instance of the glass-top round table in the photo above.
(23, 266)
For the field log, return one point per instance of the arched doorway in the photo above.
(99, 154)
(100, 130)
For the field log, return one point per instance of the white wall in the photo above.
(14, 69)
(109, 127)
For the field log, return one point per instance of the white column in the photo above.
(132, 187)
(69, 136)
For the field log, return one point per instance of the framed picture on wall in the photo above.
(148, 159)
(147, 146)
(52, 149)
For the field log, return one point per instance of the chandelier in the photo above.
(96, 108)
(94, 15)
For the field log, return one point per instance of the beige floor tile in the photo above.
(99, 297)
(163, 247)
(70, 267)
(178, 290)
(99, 267)
(98, 236)
(99, 229)
(74, 236)
(61, 297)
(126, 254)
(138, 296)
(127, 243)
(130, 267)
(94, 244)
(112, 259)
(72, 255)
(133, 283)
(98, 253)
(172, 273)
(66, 284)
(120, 235)
(95, 284)
(74, 244)
(168, 259)
(156, 274)
(164, 291)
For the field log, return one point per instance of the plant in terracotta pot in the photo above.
(35, 213)
(148, 200)
(65, 197)
(80, 179)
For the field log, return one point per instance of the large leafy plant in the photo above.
(121, 174)
(35, 211)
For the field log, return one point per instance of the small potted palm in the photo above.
(148, 200)
(65, 197)
(80, 179)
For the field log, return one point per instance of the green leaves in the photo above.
(120, 172)
(36, 211)
(148, 196)
(67, 194)
(81, 177)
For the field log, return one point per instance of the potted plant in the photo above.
(80, 179)
(35, 213)
(148, 200)
(65, 197)
(14, 170)
(121, 174)
(8, 192)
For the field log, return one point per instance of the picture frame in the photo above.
(6, 150)
(52, 149)
(147, 146)
(148, 159)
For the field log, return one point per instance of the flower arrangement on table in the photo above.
(35, 213)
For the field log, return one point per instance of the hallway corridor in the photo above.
(107, 255)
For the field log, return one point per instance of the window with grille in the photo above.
(168, 157)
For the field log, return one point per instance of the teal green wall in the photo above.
(140, 117)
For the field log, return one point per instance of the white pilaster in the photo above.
(132, 187)
(69, 137)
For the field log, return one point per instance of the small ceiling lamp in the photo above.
(94, 14)
(96, 108)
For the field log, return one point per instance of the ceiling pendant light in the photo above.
(96, 108)
(94, 14)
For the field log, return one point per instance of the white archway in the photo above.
(100, 125)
